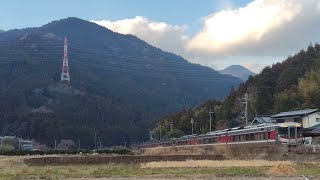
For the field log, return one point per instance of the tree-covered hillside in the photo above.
(120, 85)
(290, 85)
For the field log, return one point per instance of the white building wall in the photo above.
(311, 120)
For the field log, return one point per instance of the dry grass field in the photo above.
(14, 168)
(214, 164)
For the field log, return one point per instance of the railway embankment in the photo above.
(118, 159)
(272, 152)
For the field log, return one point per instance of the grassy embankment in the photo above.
(14, 168)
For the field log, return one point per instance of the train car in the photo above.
(185, 140)
(154, 144)
(284, 133)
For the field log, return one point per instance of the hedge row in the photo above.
(69, 152)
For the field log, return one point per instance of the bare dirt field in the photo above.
(15, 168)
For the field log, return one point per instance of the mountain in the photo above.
(290, 85)
(1, 31)
(238, 71)
(120, 85)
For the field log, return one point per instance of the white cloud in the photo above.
(160, 34)
(262, 28)
(260, 33)
(231, 27)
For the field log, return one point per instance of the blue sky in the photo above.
(20, 14)
(215, 33)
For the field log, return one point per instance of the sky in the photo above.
(215, 33)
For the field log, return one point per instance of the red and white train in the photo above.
(288, 133)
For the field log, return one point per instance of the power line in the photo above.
(117, 69)
(110, 60)
(138, 58)
(177, 70)
(148, 74)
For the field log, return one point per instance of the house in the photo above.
(308, 117)
(262, 120)
(3, 139)
(26, 145)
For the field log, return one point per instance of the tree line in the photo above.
(289, 85)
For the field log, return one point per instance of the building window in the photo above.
(318, 120)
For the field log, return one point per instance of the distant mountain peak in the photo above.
(237, 71)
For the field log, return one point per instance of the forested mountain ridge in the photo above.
(120, 85)
(290, 85)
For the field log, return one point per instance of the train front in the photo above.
(289, 133)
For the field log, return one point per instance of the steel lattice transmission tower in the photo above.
(65, 76)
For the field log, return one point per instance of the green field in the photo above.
(14, 168)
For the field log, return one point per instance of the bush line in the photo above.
(69, 152)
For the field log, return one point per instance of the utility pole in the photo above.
(171, 126)
(246, 98)
(55, 144)
(79, 144)
(192, 122)
(19, 148)
(210, 112)
(150, 134)
(160, 132)
(95, 140)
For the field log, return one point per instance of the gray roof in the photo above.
(263, 119)
(312, 131)
(295, 113)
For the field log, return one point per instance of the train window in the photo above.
(282, 130)
(256, 136)
(182, 142)
(280, 120)
(242, 138)
(247, 137)
(251, 136)
(299, 130)
(216, 139)
(189, 142)
(262, 136)
(293, 132)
